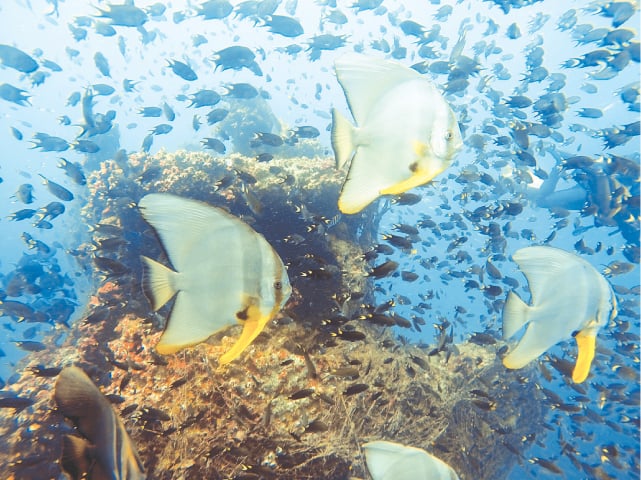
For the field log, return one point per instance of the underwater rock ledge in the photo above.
(304, 397)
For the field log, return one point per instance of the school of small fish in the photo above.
(449, 146)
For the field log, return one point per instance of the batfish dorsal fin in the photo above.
(365, 80)
(180, 221)
(540, 263)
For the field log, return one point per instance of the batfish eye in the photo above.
(448, 135)
(278, 285)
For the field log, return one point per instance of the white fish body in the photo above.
(393, 461)
(569, 298)
(225, 273)
(406, 132)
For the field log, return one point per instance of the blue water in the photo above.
(302, 91)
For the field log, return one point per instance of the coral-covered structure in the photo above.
(319, 382)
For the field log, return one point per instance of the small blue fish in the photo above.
(15, 58)
(49, 143)
(14, 94)
(150, 111)
(161, 129)
(125, 15)
(102, 64)
(17, 134)
(183, 70)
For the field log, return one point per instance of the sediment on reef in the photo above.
(304, 396)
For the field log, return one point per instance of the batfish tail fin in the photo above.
(342, 138)
(586, 343)
(515, 315)
(158, 281)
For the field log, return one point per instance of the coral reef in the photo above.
(245, 118)
(314, 386)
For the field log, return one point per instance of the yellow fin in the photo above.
(402, 187)
(253, 324)
(419, 177)
(422, 171)
(586, 343)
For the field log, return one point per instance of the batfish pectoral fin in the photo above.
(586, 343)
(253, 322)
(422, 149)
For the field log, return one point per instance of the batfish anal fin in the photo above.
(366, 177)
(424, 169)
(253, 322)
(188, 325)
(166, 349)
(417, 179)
(532, 344)
(586, 343)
